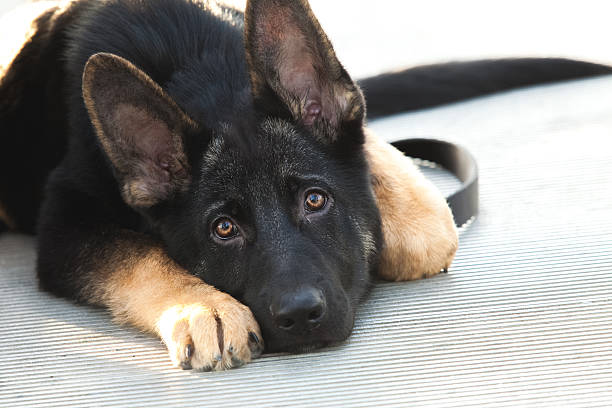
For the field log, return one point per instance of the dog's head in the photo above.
(274, 205)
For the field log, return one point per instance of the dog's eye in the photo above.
(225, 229)
(315, 200)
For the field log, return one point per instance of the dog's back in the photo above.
(33, 116)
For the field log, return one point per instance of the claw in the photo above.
(253, 338)
(236, 362)
(255, 345)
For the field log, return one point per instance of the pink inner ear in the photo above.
(164, 162)
(298, 76)
(311, 112)
(299, 63)
(148, 136)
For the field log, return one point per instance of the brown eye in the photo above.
(315, 201)
(225, 229)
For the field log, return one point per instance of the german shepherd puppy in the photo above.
(208, 177)
(204, 161)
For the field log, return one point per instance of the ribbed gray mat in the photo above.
(524, 318)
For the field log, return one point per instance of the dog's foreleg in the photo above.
(418, 227)
(131, 275)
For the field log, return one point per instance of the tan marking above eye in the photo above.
(315, 200)
(225, 228)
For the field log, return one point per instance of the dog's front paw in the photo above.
(420, 238)
(418, 249)
(216, 334)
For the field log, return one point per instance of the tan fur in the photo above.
(418, 228)
(156, 295)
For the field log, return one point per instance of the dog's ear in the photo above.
(140, 128)
(291, 58)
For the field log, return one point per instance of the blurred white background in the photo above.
(373, 36)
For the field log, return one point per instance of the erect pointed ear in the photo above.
(290, 57)
(140, 128)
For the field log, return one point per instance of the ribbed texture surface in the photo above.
(524, 318)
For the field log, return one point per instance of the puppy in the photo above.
(208, 176)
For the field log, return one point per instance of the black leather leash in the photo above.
(457, 160)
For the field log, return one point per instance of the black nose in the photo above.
(300, 310)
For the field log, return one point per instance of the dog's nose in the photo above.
(299, 311)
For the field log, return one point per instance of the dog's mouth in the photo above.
(298, 348)
(282, 344)
(295, 344)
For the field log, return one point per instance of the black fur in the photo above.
(33, 124)
(251, 162)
